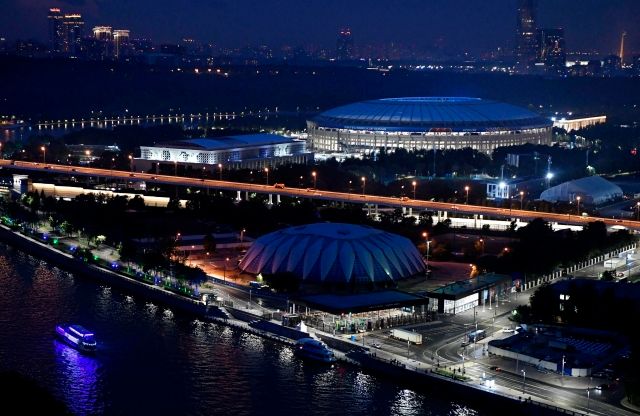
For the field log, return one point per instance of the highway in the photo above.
(395, 202)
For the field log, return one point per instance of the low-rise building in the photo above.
(251, 151)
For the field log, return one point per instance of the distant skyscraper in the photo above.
(73, 32)
(103, 33)
(552, 50)
(56, 30)
(526, 50)
(621, 53)
(344, 45)
(120, 42)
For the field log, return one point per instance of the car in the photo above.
(376, 345)
(495, 368)
(278, 185)
(74, 170)
(508, 330)
(133, 175)
(404, 198)
(603, 386)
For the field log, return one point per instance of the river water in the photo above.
(155, 361)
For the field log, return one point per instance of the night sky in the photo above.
(457, 25)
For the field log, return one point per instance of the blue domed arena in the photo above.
(415, 123)
(333, 253)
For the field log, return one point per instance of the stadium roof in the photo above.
(420, 114)
(334, 253)
(227, 142)
(463, 288)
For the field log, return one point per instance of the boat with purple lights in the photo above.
(78, 337)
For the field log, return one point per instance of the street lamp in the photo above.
(426, 240)
(44, 154)
(266, 170)
(521, 199)
(482, 245)
(549, 177)
(1, 156)
(414, 183)
(226, 263)
(242, 235)
(524, 376)
(364, 184)
(638, 211)
(131, 162)
(466, 189)
(315, 179)
(220, 167)
(578, 202)
(175, 164)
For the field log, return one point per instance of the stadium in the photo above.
(334, 253)
(415, 123)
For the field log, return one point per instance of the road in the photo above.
(493, 212)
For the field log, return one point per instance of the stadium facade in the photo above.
(416, 123)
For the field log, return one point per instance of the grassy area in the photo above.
(451, 374)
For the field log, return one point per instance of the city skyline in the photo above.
(589, 25)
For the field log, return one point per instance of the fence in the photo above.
(580, 266)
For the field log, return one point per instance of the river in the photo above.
(153, 360)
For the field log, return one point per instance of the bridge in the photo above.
(373, 201)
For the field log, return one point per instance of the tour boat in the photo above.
(315, 350)
(78, 337)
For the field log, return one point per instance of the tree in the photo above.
(209, 243)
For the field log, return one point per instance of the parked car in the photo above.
(495, 368)
(376, 345)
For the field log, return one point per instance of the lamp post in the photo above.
(1, 156)
(44, 154)
(524, 378)
(638, 211)
(175, 164)
(226, 263)
(315, 179)
(426, 240)
(266, 170)
(131, 162)
(220, 167)
(578, 202)
(549, 176)
(466, 189)
(350, 183)
(414, 183)
(521, 199)
(562, 375)
(364, 184)
(242, 235)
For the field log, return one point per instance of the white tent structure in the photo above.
(334, 253)
(592, 190)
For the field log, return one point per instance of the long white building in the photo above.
(251, 151)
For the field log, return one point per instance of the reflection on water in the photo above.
(79, 379)
(152, 360)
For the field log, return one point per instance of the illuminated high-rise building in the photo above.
(120, 42)
(527, 46)
(73, 32)
(103, 33)
(56, 30)
(344, 45)
(552, 50)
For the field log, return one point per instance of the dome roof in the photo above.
(334, 253)
(420, 114)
